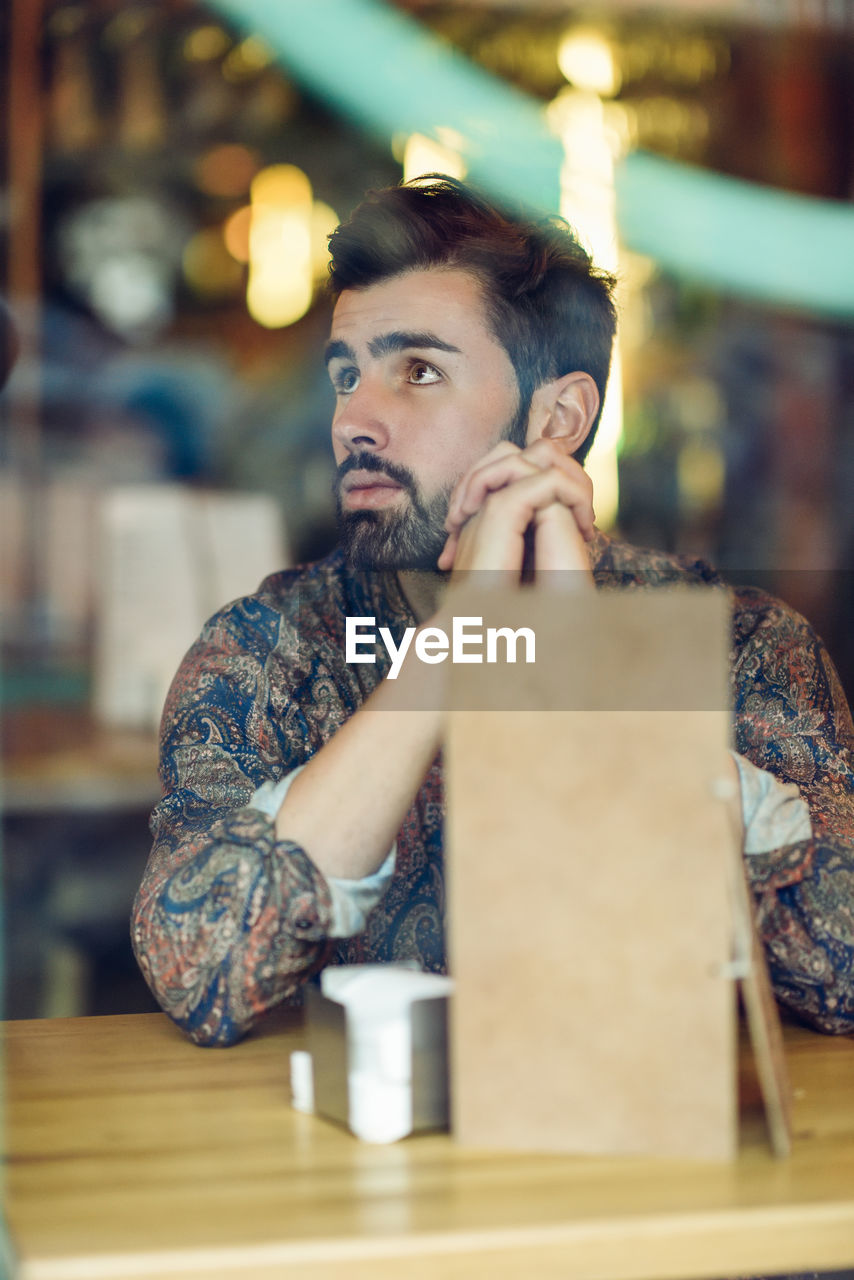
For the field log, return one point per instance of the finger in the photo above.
(502, 449)
(494, 532)
(446, 558)
(493, 538)
(495, 550)
(484, 479)
(525, 497)
(550, 450)
(561, 562)
(494, 474)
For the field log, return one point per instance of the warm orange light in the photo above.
(226, 170)
(235, 233)
(282, 185)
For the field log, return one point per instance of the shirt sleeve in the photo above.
(793, 721)
(352, 900)
(228, 921)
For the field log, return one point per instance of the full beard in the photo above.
(411, 536)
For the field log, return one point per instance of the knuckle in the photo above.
(540, 453)
(498, 500)
(498, 453)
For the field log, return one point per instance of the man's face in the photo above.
(423, 389)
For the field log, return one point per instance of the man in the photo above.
(301, 824)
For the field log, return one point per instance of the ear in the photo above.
(564, 410)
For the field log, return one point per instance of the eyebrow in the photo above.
(388, 343)
(405, 339)
(338, 350)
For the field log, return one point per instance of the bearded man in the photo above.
(301, 823)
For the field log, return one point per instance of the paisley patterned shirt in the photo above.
(229, 921)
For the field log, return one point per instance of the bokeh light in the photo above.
(588, 61)
(235, 233)
(246, 60)
(280, 284)
(423, 155)
(206, 43)
(701, 473)
(209, 268)
(226, 170)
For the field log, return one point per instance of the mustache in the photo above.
(370, 462)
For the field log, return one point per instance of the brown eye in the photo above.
(423, 374)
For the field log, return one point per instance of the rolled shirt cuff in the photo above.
(352, 900)
(774, 812)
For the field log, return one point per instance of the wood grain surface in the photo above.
(134, 1153)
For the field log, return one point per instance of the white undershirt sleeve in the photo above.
(774, 812)
(774, 815)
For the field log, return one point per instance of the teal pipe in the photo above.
(386, 71)
(381, 68)
(773, 246)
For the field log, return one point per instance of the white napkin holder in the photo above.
(377, 1057)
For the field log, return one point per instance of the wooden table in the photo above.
(61, 758)
(134, 1153)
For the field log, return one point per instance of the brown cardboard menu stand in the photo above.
(598, 914)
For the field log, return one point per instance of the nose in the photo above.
(360, 421)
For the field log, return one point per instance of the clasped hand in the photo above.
(512, 490)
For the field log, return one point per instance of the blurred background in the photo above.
(171, 170)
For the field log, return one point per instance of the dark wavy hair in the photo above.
(548, 306)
